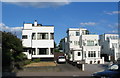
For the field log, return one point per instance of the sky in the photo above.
(97, 17)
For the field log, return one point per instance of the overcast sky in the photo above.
(97, 17)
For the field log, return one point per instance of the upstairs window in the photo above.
(42, 36)
(51, 35)
(77, 34)
(24, 36)
(90, 43)
(33, 36)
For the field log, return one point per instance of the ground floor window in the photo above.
(91, 53)
(33, 51)
(52, 50)
(42, 51)
(79, 54)
(30, 50)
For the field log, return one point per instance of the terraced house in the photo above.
(38, 40)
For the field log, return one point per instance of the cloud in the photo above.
(112, 12)
(39, 3)
(113, 31)
(88, 23)
(15, 30)
(113, 26)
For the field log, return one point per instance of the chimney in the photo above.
(35, 23)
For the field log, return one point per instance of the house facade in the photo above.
(82, 46)
(110, 47)
(38, 40)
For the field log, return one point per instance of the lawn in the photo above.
(40, 64)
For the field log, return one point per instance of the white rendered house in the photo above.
(38, 40)
(82, 46)
(91, 49)
(110, 48)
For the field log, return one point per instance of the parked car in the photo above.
(61, 59)
(112, 71)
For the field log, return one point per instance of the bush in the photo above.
(27, 62)
(36, 60)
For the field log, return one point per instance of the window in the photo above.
(94, 54)
(51, 35)
(33, 51)
(42, 36)
(88, 53)
(25, 49)
(98, 53)
(114, 45)
(24, 37)
(38, 36)
(70, 41)
(84, 44)
(77, 33)
(91, 54)
(42, 51)
(90, 43)
(79, 54)
(34, 36)
(102, 47)
(52, 50)
(76, 42)
(83, 32)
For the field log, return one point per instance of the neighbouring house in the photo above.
(38, 40)
(110, 47)
(80, 46)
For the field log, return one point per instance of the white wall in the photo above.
(27, 26)
(27, 42)
(43, 43)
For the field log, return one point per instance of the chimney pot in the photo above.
(35, 23)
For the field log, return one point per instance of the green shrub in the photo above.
(36, 60)
(27, 62)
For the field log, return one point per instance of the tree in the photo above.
(60, 44)
(11, 49)
(55, 45)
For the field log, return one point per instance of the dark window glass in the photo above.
(24, 37)
(51, 35)
(77, 33)
(79, 54)
(33, 36)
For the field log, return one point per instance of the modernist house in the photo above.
(80, 46)
(110, 47)
(38, 40)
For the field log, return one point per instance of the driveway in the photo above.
(58, 68)
(61, 70)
